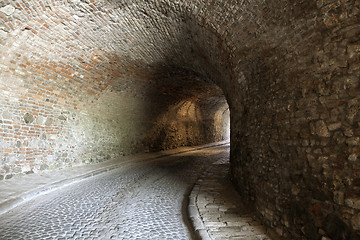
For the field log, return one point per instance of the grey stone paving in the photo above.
(217, 211)
(142, 201)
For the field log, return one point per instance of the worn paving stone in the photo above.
(221, 209)
(142, 201)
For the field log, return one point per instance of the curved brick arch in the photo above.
(100, 74)
(107, 76)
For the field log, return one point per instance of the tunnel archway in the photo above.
(86, 87)
(288, 70)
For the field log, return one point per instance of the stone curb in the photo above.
(196, 221)
(29, 195)
(194, 215)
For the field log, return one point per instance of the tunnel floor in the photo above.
(142, 200)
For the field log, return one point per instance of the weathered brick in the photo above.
(125, 81)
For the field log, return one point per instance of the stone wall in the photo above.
(191, 123)
(84, 81)
(69, 95)
(44, 128)
(295, 126)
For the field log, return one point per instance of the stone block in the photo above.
(339, 197)
(353, 157)
(320, 128)
(353, 202)
(355, 222)
(8, 10)
(49, 121)
(28, 118)
(210, 224)
(334, 126)
(7, 115)
(40, 120)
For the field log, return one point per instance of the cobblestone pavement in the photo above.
(141, 201)
(217, 211)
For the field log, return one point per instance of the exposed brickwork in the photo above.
(83, 81)
(75, 91)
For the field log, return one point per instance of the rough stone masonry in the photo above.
(83, 81)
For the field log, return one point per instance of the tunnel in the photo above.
(88, 81)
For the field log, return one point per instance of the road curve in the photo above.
(141, 201)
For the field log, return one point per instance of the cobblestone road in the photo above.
(142, 201)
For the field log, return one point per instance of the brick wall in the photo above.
(76, 87)
(84, 81)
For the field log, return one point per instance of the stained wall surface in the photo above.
(81, 83)
(84, 81)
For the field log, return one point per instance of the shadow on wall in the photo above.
(184, 108)
(154, 111)
(190, 122)
(90, 103)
